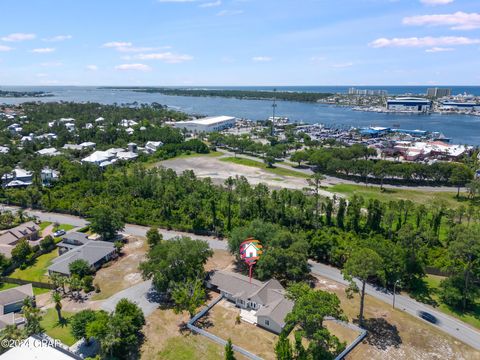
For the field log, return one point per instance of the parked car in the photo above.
(428, 317)
(59, 232)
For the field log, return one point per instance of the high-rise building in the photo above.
(439, 92)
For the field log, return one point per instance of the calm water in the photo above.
(460, 128)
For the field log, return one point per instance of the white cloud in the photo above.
(261, 58)
(211, 4)
(438, 49)
(457, 21)
(58, 38)
(43, 50)
(52, 64)
(175, 1)
(229, 12)
(167, 57)
(92, 67)
(436, 2)
(342, 65)
(19, 37)
(5, 48)
(137, 67)
(124, 46)
(317, 58)
(424, 41)
(117, 44)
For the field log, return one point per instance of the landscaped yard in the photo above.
(260, 165)
(56, 330)
(65, 227)
(37, 271)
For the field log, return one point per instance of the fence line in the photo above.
(215, 338)
(355, 342)
(37, 284)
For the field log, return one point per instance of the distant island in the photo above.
(19, 94)
(237, 94)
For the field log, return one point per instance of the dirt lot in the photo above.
(123, 272)
(396, 335)
(219, 171)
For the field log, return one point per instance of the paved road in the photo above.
(447, 324)
(142, 294)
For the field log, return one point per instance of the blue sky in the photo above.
(239, 42)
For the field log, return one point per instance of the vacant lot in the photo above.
(123, 272)
(396, 335)
(219, 171)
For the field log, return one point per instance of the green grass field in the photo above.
(56, 330)
(37, 271)
(472, 317)
(374, 192)
(190, 347)
(65, 227)
(260, 165)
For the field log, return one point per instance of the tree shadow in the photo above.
(422, 292)
(381, 333)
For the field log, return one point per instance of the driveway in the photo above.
(142, 294)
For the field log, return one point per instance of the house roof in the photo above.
(13, 295)
(18, 232)
(91, 252)
(7, 319)
(76, 236)
(34, 348)
(270, 295)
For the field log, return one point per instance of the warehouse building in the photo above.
(410, 104)
(463, 106)
(208, 124)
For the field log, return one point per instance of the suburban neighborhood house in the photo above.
(264, 303)
(71, 241)
(10, 237)
(11, 301)
(95, 253)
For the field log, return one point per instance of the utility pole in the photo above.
(274, 106)
(394, 290)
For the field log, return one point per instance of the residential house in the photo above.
(152, 146)
(4, 149)
(15, 128)
(72, 240)
(80, 147)
(95, 253)
(265, 301)
(48, 152)
(11, 300)
(9, 238)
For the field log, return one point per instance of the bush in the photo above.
(47, 243)
(87, 283)
(80, 268)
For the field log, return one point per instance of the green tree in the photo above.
(315, 183)
(106, 221)
(21, 252)
(47, 243)
(153, 236)
(460, 175)
(362, 264)
(229, 355)
(79, 267)
(188, 296)
(57, 299)
(175, 261)
(283, 348)
(32, 317)
(79, 321)
(126, 308)
(299, 157)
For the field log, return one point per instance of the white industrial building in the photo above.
(461, 106)
(208, 124)
(410, 104)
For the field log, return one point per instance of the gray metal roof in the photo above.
(91, 252)
(13, 295)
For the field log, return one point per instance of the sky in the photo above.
(239, 42)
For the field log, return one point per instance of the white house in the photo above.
(152, 146)
(208, 124)
(48, 152)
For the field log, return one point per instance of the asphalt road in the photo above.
(447, 324)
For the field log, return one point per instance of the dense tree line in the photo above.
(238, 94)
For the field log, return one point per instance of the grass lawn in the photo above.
(37, 271)
(44, 224)
(56, 330)
(472, 317)
(190, 347)
(374, 192)
(274, 170)
(65, 227)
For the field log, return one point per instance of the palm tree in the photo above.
(57, 299)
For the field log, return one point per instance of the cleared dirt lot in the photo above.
(219, 171)
(396, 335)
